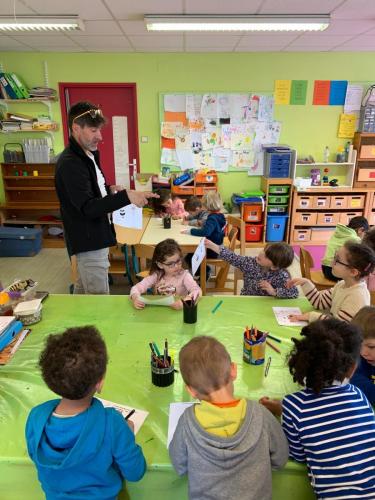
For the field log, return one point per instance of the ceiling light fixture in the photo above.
(41, 23)
(256, 22)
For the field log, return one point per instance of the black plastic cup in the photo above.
(190, 311)
(167, 222)
(162, 377)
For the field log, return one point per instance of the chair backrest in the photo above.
(306, 263)
(232, 237)
(372, 296)
(237, 222)
(144, 251)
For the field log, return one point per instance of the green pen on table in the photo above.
(217, 306)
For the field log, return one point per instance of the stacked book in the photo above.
(17, 121)
(42, 92)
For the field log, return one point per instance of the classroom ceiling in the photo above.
(117, 26)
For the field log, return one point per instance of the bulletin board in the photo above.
(221, 131)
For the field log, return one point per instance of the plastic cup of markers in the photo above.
(254, 350)
(190, 311)
(167, 222)
(162, 377)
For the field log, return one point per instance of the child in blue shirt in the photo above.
(364, 376)
(80, 448)
(265, 274)
(329, 424)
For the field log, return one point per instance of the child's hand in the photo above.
(178, 305)
(194, 296)
(211, 245)
(137, 304)
(296, 281)
(273, 405)
(131, 424)
(267, 287)
(299, 317)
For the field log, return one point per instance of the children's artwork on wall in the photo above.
(175, 102)
(224, 131)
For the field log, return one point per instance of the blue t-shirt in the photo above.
(85, 456)
(364, 378)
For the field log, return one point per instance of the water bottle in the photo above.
(326, 155)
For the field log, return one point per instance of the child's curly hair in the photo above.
(327, 351)
(74, 361)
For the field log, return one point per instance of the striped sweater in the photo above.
(334, 434)
(340, 301)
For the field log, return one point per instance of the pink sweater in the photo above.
(182, 282)
(370, 281)
(177, 208)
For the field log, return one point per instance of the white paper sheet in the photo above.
(185, 159)
(353, 98)
(265, 111)
(129, 216)
(175, 102)
(282, 316)
(138, 417)
(157, 300)
(193, 106)
(209, 108)
(198, 256)
(175, 412)
(169, 157)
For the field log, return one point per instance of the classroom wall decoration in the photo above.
(221, 131)
(290, 92)
(329, 92)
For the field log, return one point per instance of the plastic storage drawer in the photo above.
(279, 189)
(253, 232)
(302, 234)
(278, 200)
(277, 209)
(252, 213)
(20, 242)
(276, 226)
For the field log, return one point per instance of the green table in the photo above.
(127, 333)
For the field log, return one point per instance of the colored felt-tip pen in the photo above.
(217, 306)
(129, 414)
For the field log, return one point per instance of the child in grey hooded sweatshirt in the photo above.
(223, 444)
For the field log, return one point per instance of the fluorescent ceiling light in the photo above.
(40, 23)
(206, 22)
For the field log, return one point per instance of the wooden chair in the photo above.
(143, 253)
(234, 221)
(316, 277)
(222, 267)
(372, 296)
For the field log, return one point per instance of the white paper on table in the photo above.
(138, 417)
(175, 412)
(157, 300)
(129, 216)
(353, 98)
(175, 102)
(282, 316)
(5, 321)
(198, 256)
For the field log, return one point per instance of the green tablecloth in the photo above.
(127, 333)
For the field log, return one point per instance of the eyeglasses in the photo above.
(172, 264)
(92, 112)
(335, 260)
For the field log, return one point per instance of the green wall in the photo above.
(307, 128)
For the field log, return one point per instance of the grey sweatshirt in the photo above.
(230, 468)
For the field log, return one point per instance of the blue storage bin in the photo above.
(20, 241)
(276, 225)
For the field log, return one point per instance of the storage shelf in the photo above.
(31, 188)
(28, 205)
(33, 222)
(28, 177)
(327, 164)
(30, 99)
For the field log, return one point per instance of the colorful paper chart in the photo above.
(282, 91)
(337, 92)
(321, 92)
(347, 126)
(298, 92)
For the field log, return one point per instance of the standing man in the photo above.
(86, 200)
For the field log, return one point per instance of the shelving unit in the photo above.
(28, 198)
(364, 144)
(343, 171)
(266, 183)
(316, 212)
(203, 182)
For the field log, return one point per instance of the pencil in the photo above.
(274, 338)
(217, 306)
(273, 346)
(268, 366)
(129, 414)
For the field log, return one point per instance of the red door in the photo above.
(119, 153)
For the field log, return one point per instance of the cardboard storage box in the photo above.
(20, 242)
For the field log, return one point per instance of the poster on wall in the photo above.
(221, 131)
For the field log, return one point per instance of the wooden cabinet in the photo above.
(316, 212)
(364, 144)
(31, 199)
(203, 182)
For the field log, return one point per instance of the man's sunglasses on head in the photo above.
(94, 113)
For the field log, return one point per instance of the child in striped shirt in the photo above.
(351, 263)
(330, 424)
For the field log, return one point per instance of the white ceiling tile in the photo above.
(7, 8)
(298, 6)
(345, 27)
(266, 41)
(135, 10)
(104, 42)
(92, 9)
(222, 7)
(134, 27)
(226, 42)
(145, 42)
(7, 42)
(355, 9)
(319, 40)
(98, 28)
(46, 40)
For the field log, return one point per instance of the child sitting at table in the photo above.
(354, 231)
(364, 375)
(167, 276)
(168, 204)
(80, 448)
(215, 222)
(197, 214)
(224, 442)
(351, 263)
(265, 274)
(330, 425)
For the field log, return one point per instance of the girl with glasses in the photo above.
(351, 264)
(167, 276)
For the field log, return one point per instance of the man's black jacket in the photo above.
(83, 209)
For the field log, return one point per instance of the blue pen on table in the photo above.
(217, 306)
